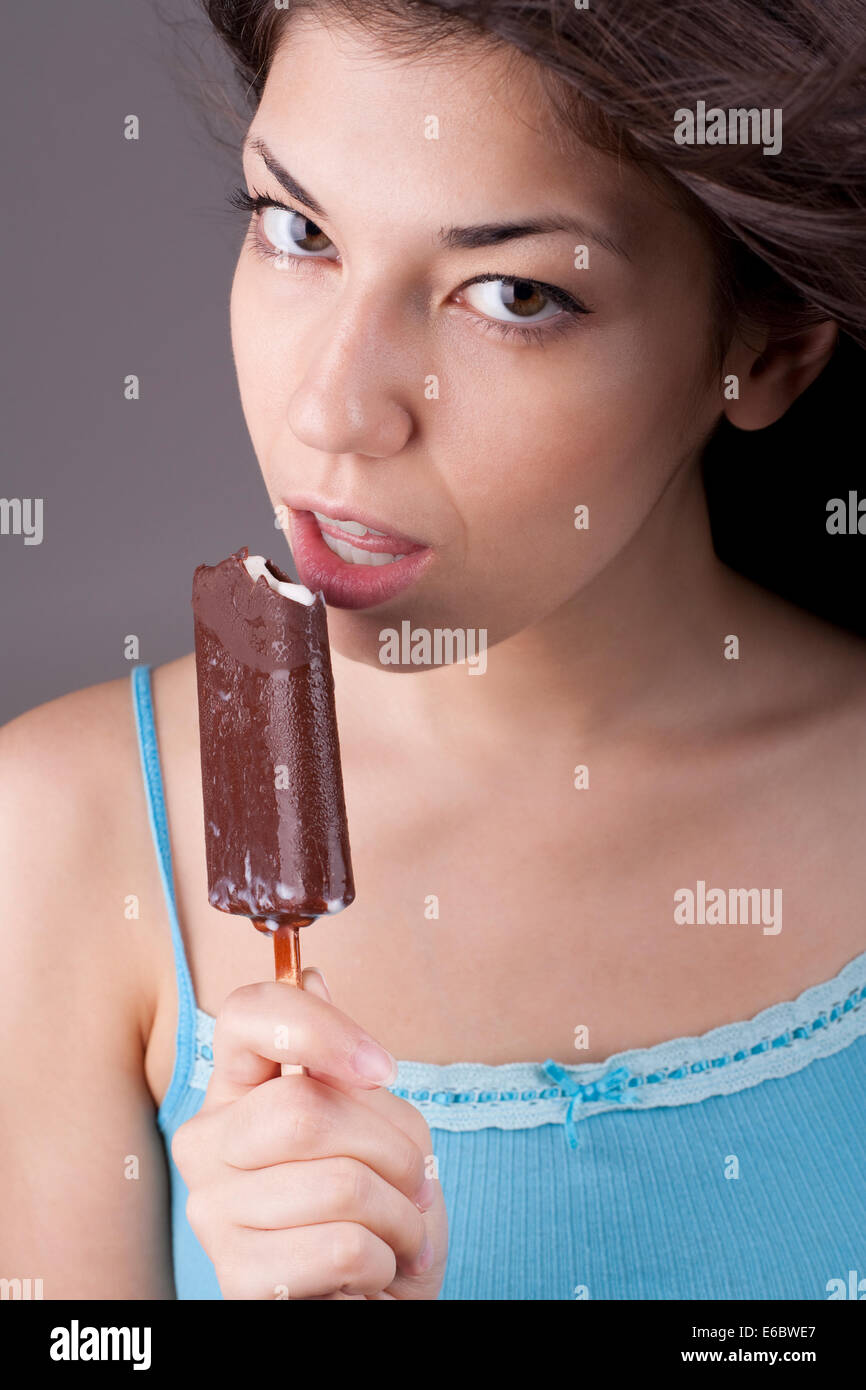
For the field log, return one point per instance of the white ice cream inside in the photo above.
(257, 566)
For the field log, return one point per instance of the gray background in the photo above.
(117, 258)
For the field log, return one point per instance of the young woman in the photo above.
(487, 315)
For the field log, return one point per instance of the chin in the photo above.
(406, 639)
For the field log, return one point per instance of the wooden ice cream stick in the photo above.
(287, 968)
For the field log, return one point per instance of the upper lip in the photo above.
(337, 512)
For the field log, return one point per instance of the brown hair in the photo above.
(789, 230)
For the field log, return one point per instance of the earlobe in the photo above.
(770, 381)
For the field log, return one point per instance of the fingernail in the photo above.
(375, 1064)
(425, 1256)
(314, 969)
(426, 1195)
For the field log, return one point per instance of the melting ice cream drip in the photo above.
(256, 566)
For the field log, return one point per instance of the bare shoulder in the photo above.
(803, 744)
(822, 751)
(811, 675)
(781, 667)
(75, 849)
(78, 738)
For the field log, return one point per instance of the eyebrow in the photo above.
(453, 238)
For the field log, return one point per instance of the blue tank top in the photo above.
(729, 1165)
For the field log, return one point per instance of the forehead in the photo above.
(454, 133)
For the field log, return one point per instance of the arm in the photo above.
(76, 1116)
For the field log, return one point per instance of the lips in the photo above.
(355, 564)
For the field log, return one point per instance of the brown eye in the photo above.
(293, 234)
(508, 301)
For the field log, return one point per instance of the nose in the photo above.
(353, 399)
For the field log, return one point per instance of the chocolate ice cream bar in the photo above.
(276, 838)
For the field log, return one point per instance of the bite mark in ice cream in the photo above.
(257, 567)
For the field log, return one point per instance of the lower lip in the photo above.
(346, 585)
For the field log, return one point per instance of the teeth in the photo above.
(352, 528)
(353, 556)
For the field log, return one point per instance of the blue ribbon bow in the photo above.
(609, 1087)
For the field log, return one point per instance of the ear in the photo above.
(771, 380)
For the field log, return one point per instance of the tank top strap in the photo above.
(153, 786)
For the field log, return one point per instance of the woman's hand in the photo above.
(310, 1186)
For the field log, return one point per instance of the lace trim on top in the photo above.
(522, 1095)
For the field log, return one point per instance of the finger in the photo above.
(313, 980)
(315, 983)
(262, 1025)
(393, 1108)
(315, 1192)
(423, 1285)
(408, 1118)
(261, 1132)
(294, 1118)
(400, 1112)
(305, 1262)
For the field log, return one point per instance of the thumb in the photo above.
(315, 983)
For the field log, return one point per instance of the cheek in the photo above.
(602, 425)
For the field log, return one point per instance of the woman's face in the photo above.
(393, 374)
